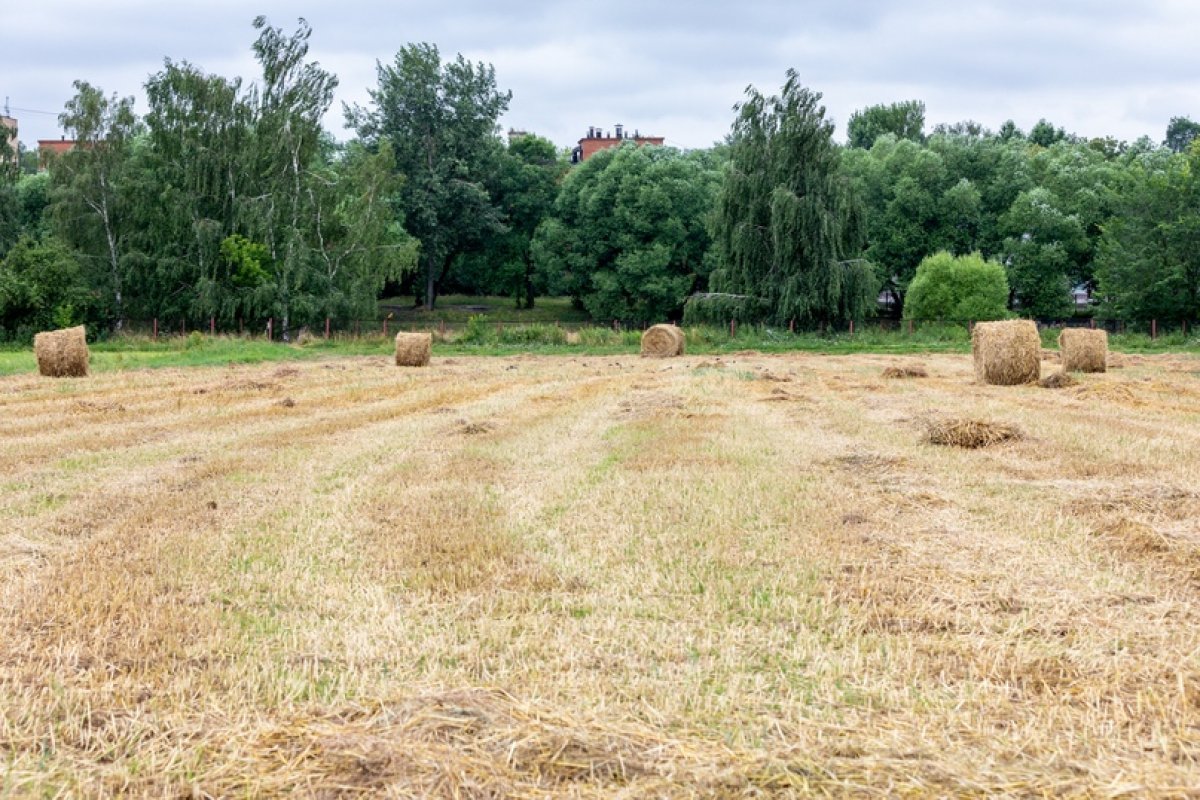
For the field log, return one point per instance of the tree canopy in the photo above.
(788, 227)
(441, 121)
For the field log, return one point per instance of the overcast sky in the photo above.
(1094, 67)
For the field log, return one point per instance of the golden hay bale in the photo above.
(970, 433)
(1057, 380)
(1006, 353)
(906, 371)
(62, 353)
(1083, 350)
(662, 341)
(413, 349)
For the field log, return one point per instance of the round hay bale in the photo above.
(413, 349)
(1007, 353)
(1083, 350)
(662, 341)
(62, 353)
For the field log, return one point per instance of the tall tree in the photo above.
(787, 223)
(1181, 132)
(202, 176)
(289, 104)
(523, 180)
(92, 208)
(1042, 244)
(441, 120)
(904, 120)
(628, 234)
(1149, 257)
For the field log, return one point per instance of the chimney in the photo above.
(618, 127)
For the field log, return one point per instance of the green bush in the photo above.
(948, 287)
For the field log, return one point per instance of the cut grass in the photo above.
(596, 576)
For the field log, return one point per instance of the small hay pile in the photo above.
(1109, 393)
(1007, 353)
(1083, 350)
(1130, 537)
(970, 433)
(662, 341)
(906, 371)
(1057, 380)
(62, 353)
(413, 349)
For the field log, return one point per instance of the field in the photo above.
(598, 576)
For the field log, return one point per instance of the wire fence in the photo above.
(275, 330)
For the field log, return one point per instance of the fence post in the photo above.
(615, 327)
(851, 327)
(327, 327)
(212, 326)
(792, 325)
(442, 327)
(183, 327)
(1153, 329)
(385, 328)
(270, 326)
(156, 329)
(732, 328)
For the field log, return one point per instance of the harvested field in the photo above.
(598, 577)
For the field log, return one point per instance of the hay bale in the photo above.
(413, 349)
(1006, 353)
(1057, 380)
(970, 433)
(62, 353)
(1083, 350)
(662, 341)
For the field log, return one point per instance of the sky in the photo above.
(1094, 67)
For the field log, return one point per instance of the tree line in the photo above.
(227, 200)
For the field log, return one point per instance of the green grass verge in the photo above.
(480, 339)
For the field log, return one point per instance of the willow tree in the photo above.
(787, 225)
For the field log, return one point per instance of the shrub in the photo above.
(957, 288)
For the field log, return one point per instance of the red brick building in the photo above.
(52, 148)
(597, 140)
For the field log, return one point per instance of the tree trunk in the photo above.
(528, 287)
(430, 287)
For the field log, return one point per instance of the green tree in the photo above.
(1181, 132)
(441, 122)
(289, 104)
(787, 222)
(952, 287)
(904, 120)
(523, 181)
(92, 205)
(628, 235)
(1045, 134)
(42, 286)
(361, 243)
(199, 177)
(1148, 264)
(1043, 243)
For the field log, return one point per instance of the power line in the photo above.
(33, 111)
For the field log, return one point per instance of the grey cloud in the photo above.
(666, 68)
